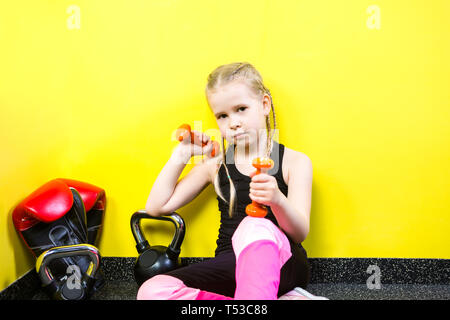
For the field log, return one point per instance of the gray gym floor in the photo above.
(127, 290)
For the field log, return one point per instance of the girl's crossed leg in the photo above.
(261, 267)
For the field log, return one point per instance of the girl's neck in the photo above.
(245, 153)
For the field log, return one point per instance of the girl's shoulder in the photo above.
(294, 162)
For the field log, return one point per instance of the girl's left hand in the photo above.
(264, 189)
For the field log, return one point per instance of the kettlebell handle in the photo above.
(142, 243)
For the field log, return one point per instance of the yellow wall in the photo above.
(365, 96)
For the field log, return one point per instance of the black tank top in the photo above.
(242, 185)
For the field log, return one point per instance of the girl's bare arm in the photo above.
(167, 193)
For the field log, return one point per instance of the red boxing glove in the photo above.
(90, 194)
(47, 204)
(94, 200)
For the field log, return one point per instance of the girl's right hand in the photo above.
(188, 149)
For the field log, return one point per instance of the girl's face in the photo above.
(239, 113)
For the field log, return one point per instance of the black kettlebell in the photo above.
(153, 260)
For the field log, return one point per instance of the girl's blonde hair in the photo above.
(222, 75)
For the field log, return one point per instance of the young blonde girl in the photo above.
(255, 258)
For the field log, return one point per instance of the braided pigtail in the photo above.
(232, 201)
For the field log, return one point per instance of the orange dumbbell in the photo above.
(184, 131)
(256, 209)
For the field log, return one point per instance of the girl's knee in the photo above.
(160, 287)
(250, 223)
(253, 229)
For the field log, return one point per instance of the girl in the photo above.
(255, 258)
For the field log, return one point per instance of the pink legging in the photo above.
(261, 249)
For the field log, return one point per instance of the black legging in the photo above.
(218, 274)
